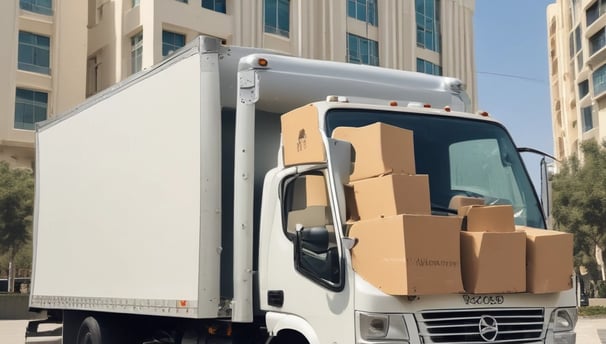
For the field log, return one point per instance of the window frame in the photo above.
(214, 5)
(598, 77)
(281, 24)
(586, 118)
(40, 59)
(428, 25)
(370, 46)
(35, 6)
(428, 67)
(284, 209)
(136, 52)
(174, 45)
(32, 104)
(370, 14)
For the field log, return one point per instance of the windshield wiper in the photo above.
(443, 209)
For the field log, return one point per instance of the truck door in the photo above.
(307, 285)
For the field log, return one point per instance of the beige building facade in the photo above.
(96, 43)
(577, 53)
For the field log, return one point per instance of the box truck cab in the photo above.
(188, 222)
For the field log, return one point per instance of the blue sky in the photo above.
(513, 71)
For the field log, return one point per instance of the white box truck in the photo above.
(161, 209)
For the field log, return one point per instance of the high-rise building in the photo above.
(66, 50)
(577, 53)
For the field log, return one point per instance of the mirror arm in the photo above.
(535, 151)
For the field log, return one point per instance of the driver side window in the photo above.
(305, 205)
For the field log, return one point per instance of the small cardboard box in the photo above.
(314, 216)
(549, 260)
(392, 194)
(493, 262)
(379, 149)
(301, 138)
(315, 190)
(459, 201)
(409, 254)
(489, 218)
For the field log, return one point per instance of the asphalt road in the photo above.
(588, 331)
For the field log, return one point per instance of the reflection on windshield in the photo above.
(462, 157)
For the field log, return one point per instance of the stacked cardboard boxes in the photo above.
(402, 249)
(397, 250)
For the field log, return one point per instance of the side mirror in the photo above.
(314, 239)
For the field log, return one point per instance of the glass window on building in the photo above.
(183, 1)
(30, 107)
(136, 53)
(428, 24)
(214, 5)
(427, 67)
(277, 17)
(362, 50)
(37, 6)
(599, 80)
(597, 41)
(171, 41)
(583, 88)
(587, 118)
(364, 10)
(595, 11)
(34, 52)
(135, 3)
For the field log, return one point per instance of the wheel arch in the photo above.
(277, 322)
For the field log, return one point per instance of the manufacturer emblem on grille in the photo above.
(489, 329)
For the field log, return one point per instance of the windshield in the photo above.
(462, 157)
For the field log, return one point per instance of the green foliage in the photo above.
(601, 286)
(579, 200)
(592, 311)
(16, 207)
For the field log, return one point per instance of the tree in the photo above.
(16, 206)
(579, 202)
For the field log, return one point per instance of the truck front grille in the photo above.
(522, 325)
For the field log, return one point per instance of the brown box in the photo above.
(314, 216)
(409, 254)
(315, 190)
(489, 218)
(493, 262)
(301, 138)
(549, 260)
(379, 149)
(459, 201)
(392, 194)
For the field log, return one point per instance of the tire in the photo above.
(89, 332)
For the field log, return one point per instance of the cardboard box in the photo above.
(315, 190)
(493, 262)
(379, 149)
(314, 216)
(549, 260)
(460, 201)
(409, 254)
(301, 138)
(392, 194)
(489, 218)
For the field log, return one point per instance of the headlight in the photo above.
(375, 326)
(564, 319)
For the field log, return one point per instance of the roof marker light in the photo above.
(447, 108)
(427, 106)
(393, 103)
(483, 113)
(262, 62)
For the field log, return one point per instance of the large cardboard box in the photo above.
(409, 254)
(392, 194)
(549, 260)
(315, 190)
(379, 149)
(489, 218)
(493, 262)
(301, 138)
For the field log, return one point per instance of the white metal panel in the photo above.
(119, 193)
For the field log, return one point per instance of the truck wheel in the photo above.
(89, 332)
